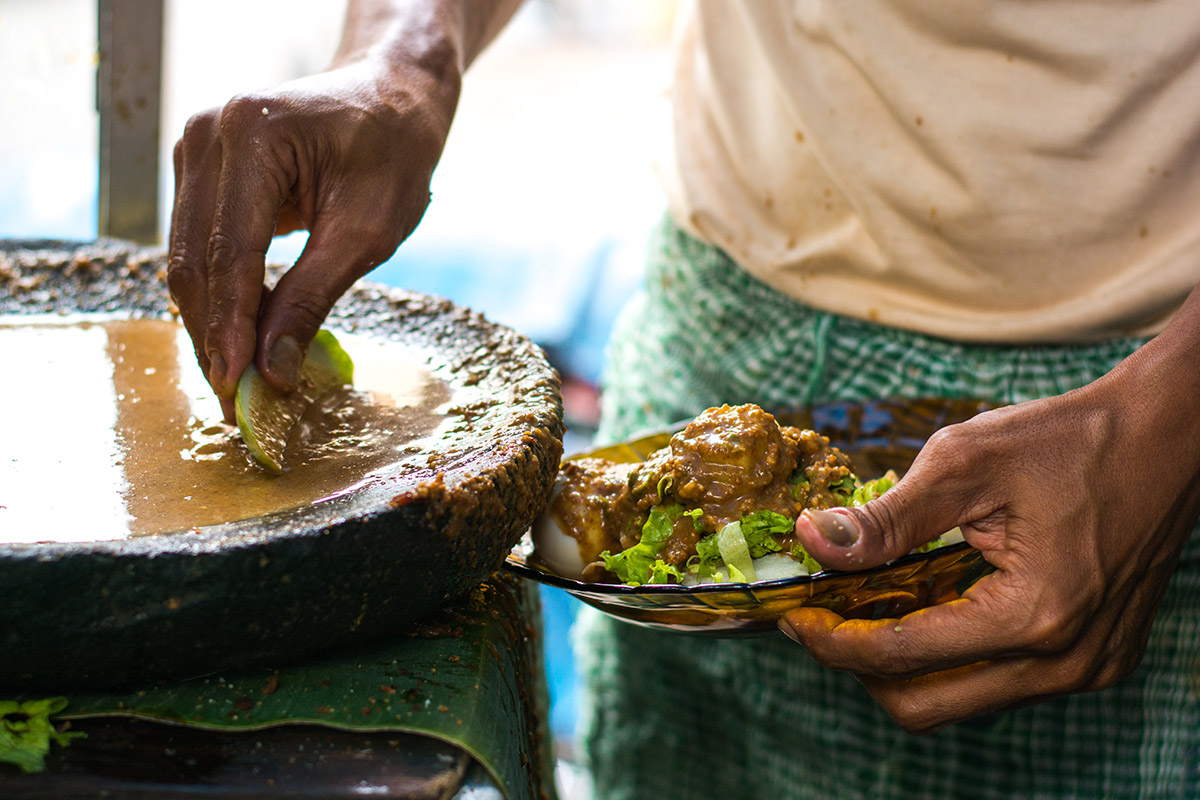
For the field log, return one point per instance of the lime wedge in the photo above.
(265, 417)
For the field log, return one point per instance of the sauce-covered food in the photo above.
(719, 503)
(114, 433)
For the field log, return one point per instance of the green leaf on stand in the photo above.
(469, 676)
(26, 732)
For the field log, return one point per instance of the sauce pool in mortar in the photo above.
(110, 431)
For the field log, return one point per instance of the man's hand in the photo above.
(1082, 502)
(345, 155)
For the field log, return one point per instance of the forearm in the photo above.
(1159, 386)
(442, 37)
(1173, 352)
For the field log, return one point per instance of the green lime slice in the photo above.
(265, 417)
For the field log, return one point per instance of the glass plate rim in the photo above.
(520, 566)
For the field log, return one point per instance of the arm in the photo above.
(347, 154)
(1082, 502)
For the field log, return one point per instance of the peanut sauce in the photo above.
(111, 431)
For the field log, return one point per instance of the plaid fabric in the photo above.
(675, 716)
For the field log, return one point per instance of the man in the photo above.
(881, 199)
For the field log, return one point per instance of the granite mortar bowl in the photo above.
(275, 588)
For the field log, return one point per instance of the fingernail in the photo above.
(787, 629)
(284, 360)
(837, 529)
(216, 373)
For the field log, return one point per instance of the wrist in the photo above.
(413, 52)
(1155, 392)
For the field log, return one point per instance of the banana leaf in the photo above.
(470, 676)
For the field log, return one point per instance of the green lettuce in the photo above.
(735, 552)
(735, 546)
(872, 489)
(708, 557)
(662, 572)
(759, 526)
(640, 563)
(26, 732)
(800, 554)
(844, 489)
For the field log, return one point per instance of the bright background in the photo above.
(541, 204)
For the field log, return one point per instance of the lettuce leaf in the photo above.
(26, 732)
(758, 527)
(708, 557)
(640, 563)
(798, 484)
(735, 552)
(869, 490)
(662, 572)
(755, 532)
(800, 554)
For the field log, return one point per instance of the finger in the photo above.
(253, 185)
(942, 490)
(197, 161)
(1110, 651)
(926, 703)
(996, 618)
(337, 254)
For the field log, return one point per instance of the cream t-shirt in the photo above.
(1008, 171)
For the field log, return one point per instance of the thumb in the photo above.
(301, 300)
(911, 513)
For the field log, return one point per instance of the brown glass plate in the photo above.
(879, 435)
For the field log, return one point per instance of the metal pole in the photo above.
(129, 84)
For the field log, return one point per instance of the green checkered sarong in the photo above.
(667, 715)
